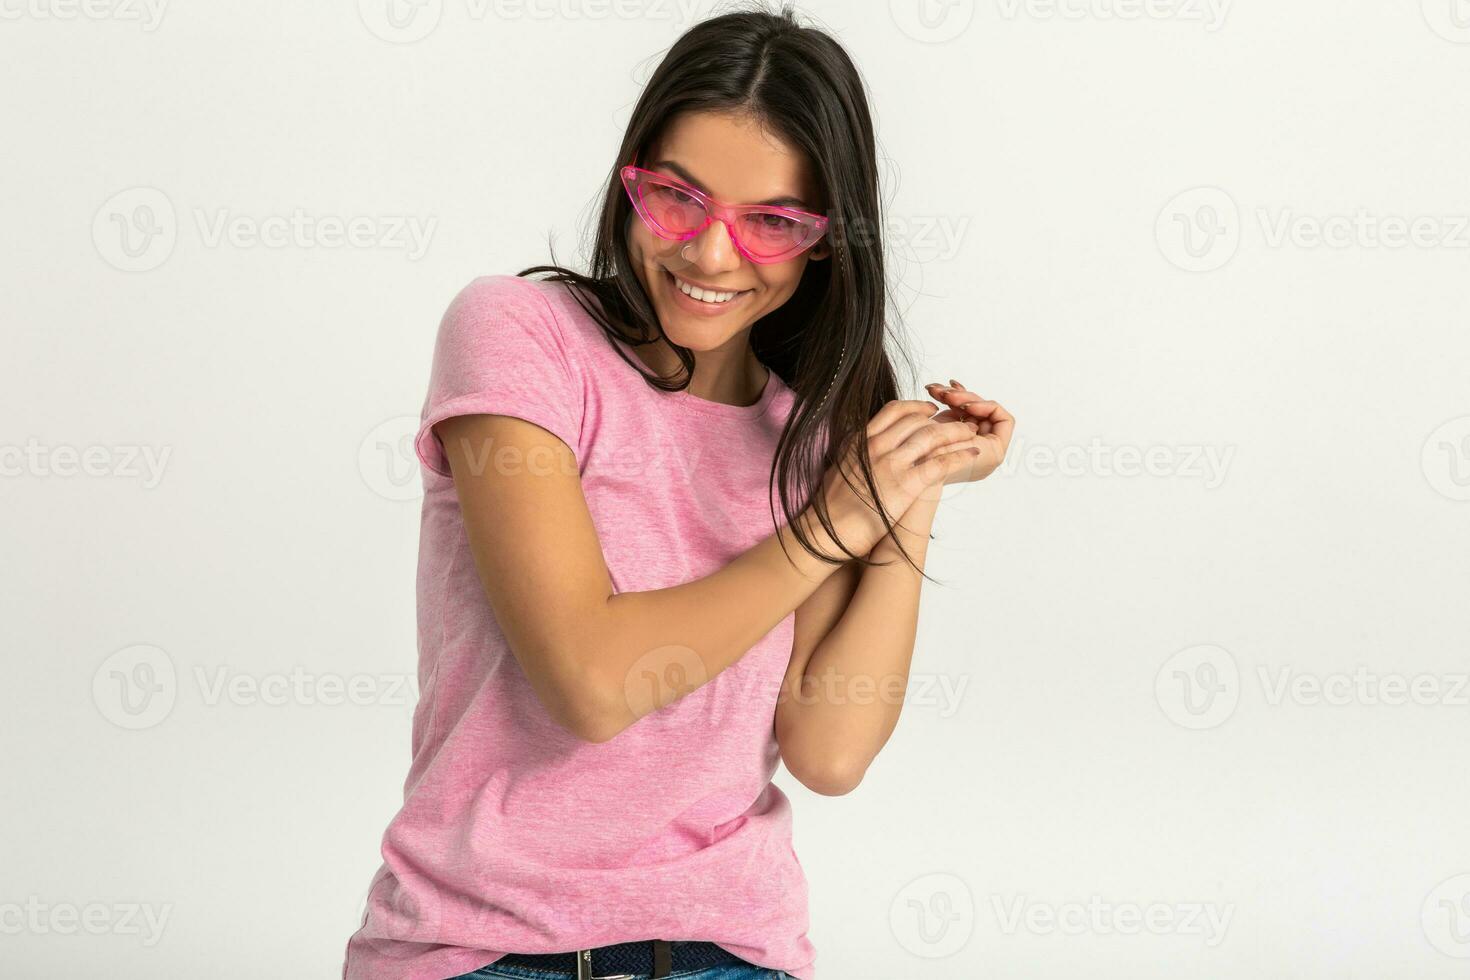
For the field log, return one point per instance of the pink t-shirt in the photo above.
(514, 834)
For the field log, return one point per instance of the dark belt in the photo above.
(653, 958)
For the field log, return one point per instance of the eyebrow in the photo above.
(687, 177)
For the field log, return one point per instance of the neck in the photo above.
(731, 375)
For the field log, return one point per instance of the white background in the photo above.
(1103, 216)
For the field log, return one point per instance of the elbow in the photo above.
(829, 777)
(594, 728)
(587, 710)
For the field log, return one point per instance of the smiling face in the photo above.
(730, 158)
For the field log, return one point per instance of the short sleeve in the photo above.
(501, 351)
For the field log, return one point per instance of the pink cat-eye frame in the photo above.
(675, 211)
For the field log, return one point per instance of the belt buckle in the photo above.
(584, 969)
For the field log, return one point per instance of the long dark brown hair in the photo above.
(828, 341)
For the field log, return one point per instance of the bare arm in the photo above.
(599, 660)
(844, 687)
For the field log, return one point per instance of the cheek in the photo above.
(646, 249)
(779, 282)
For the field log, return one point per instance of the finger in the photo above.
(950, 464)
(891, 438)
(955, 415)
(1003, 424)
(935, 389)
(925, 440)
(954, 397)
(896, 410)
(980, 408)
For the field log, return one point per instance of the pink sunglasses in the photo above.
(674, 211)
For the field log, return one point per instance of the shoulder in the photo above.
(547, 308)
(492, 295)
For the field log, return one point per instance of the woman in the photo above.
(650, 562)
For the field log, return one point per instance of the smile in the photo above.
(708, 296)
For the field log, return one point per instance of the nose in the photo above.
(712, 250)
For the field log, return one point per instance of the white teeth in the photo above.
(703, 295)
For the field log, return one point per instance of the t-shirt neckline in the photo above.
(694, 403)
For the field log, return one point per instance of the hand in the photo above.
(911, 455)
(994, 426)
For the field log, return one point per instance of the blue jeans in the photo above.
(729, 971)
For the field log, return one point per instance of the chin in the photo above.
(699, 337)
